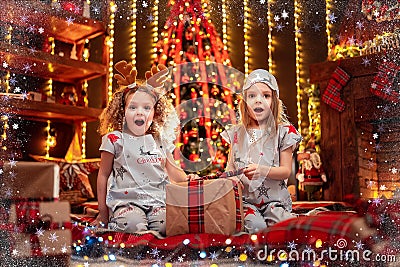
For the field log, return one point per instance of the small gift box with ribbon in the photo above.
(211, 206)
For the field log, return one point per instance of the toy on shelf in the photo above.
(69, 96)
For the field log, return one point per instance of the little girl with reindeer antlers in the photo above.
(136, 156)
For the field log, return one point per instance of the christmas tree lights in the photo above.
(200, 84)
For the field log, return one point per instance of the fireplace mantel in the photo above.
(354, 161)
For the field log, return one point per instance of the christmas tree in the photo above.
(202, 84)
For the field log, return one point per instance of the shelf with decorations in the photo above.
(61, 24)
(41, 64)
(37, 110)
(53, 81)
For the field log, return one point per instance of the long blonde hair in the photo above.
(277, 108)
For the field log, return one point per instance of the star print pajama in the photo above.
(136, 186)
(265, 201)
(257, 219)
(132, 219)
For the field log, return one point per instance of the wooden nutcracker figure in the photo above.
(311, 175)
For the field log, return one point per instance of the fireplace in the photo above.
(360, 147)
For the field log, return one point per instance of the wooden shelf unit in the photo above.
(67, 29)
(41, 64)
(37, 110)
(63, 25)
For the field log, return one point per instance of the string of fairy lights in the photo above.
(50, 140)
(246, 28)
(270, 38)
(110, 44)
(85, 85)
(328, 27)
(52, 52)
(4, 117)
(133, 32)
(224, 26)
(297, 37)
(155, 29)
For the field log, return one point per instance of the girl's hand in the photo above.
(101, 221)
(237, 180)
(255, 171)
(193, 176)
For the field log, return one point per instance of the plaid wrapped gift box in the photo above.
(204, 206)
(34, 228)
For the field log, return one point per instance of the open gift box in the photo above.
(204, 206)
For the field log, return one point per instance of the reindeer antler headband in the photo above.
(155, 78)
(128, 74)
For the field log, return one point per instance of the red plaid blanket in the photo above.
(335, 230)
(305, 230)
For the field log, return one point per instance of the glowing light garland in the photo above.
(83, 127)
(380, 43)
(84, 88)
(110, 43)
(246, 27)
(346, 51)
(379, 11)
(224, 27)
(133, 32)
(8, 74)
(328, 8)
(155, 29)
(297, 36)
(4, 118)
(48, 140)
(270, 40)
(49, 87)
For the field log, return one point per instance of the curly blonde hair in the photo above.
(112, 117)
